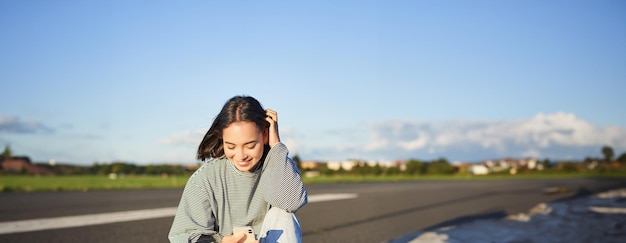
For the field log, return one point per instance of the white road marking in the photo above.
(116, 217)
(331, 197)
(83, 220)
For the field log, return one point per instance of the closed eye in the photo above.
(248, 145)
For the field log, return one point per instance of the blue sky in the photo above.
(141, 81)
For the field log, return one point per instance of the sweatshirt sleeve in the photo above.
(194, 218)
(284, 188)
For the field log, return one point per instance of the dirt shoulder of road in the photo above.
(598, 217)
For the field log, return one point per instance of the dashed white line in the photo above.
(331, 197)
(116, 217)
(83, 220)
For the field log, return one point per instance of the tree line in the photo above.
(120, 168)
(442, 166)
(439, 166)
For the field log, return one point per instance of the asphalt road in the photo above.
(382, 211)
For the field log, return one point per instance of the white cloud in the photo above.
(419, 142)
(376, 144)
(184, 138)
(12, 124)
(287, 137)
(557, 134)
(533, 153)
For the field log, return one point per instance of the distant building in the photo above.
(309, 165)
(23, 165)
(478, 169)
(345, 165)
(513, 166)
(532, 164)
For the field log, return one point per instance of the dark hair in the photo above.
(238, 108)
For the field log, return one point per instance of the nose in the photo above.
(239, 155)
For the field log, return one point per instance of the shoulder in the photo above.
(208, 169)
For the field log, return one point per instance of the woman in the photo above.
(248, 181)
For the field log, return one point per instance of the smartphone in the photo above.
(247, 230)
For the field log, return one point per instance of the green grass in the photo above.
(25, 183)
(28, 183)
(371, 178)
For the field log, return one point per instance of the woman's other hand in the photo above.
(272, 117)
(239, 238)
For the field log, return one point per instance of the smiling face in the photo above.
(243, 145)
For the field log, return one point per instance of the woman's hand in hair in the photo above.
(272, 117)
